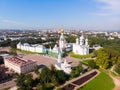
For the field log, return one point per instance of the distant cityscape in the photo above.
(21, 34)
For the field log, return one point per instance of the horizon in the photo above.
(101, 15)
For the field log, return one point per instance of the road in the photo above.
(7, 84)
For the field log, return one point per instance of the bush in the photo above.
(76, 71)
(92, 64)
(117, 68)
(36, 69)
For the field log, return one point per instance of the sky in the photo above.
(56, 14)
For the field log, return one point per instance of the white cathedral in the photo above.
(81, 46)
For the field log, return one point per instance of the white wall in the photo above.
(31, 48)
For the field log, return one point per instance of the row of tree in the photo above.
(104, 42)
(47, 79)
(107, 58)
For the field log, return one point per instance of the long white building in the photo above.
(31, 47)
(18, 65)
(81, 46)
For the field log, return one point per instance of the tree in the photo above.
(20, 80)
(61, 76)
(39, 87)
(117, 68)
(53, 70)
(103, 58)
(13, 44)
(12, 52)
(118, 60)
(79, 67)
(1, 60)
(28, 81)
(54, 80)
(5, 43)
(36, 69)
(76, 71)
(92, 64)
(45, 75)
(24, 82)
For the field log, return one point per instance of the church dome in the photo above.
(82, 37)
(62, 30)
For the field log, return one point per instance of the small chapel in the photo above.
(63, 64)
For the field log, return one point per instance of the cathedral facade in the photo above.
(81, 46)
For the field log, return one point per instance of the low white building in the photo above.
(97, 47)
(63, 65)
(81, 46)
(111, 38)
(18, 65)
(31, 47)
(14, 38)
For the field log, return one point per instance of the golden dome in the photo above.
(62, 30)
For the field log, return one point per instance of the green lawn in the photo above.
(80, 56)
(26, 52)
(101, 82)
(86, 61)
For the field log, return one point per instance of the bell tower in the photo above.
(62, 40)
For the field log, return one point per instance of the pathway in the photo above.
(7, 84)
(116, 82)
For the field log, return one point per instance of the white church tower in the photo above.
(62, 41)
(77, 41)
(59, 58)
(81, 46)
(82, 40)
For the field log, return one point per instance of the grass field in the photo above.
(86, 61)
(26, 52)
(101, 82)
(80, 56)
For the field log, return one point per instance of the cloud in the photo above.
(108, 7)
(101, 14)
(10, 21)
(111, 5)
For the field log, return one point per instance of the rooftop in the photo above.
(19, 62)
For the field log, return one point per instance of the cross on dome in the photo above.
(62, 30)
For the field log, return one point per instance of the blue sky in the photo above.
(70, 14)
